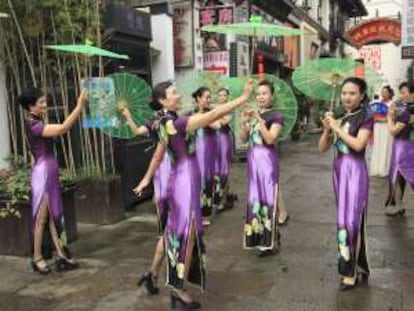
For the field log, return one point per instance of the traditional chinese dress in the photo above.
(184, 230)
(223, 161)
(44, 182)
(260, 230)
(351, 185)
(402, 159)
(207, 152)
(161, 176)
(382, 141)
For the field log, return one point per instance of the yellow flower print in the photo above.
(248, 230)
(170, 128)
(180, 270)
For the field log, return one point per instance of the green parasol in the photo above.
(284, 101)
(254, 28)
(193, 81)
(322, 78)
(86, 49)
(131, 92)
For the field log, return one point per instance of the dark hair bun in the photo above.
(199, 92)
(29, 97)
(155, 105)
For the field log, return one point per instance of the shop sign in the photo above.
(214, 15)
(379, 30)
(218, 62)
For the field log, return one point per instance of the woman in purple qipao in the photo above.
(221, 196)
(261, 129)
(45, 187)
(160, 182)
(350, 135)
(183, 234)
(400, 124)
(207, 152)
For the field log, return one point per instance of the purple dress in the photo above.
(206, 146)
(184, 230)
(402, 163)
(260, 229)
(223, 161)
(351, 185)
(161, 177)
(45, 179)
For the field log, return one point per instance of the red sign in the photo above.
(377, 30)
(372, 56)
(217, 62)
(214, 15)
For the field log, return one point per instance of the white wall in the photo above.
(162, 40)
(4, 124)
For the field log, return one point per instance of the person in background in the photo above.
(382, 140)
(221, 196)
(400, 124)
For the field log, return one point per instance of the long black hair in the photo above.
(159, 92)
(29, 97)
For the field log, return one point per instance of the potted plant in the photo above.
(98, 199)
(16, 212)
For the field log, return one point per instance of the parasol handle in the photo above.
(332, 99)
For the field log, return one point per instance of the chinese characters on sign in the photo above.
(408, 30)
(217, 62)
(371, 56)
(375, 31)
(183, 34)
(214, 15)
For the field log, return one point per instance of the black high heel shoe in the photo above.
(41, 270)
(345, 287)
(62, 264)
(193, 305)
(147, 279)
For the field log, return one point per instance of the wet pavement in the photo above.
(302, 277)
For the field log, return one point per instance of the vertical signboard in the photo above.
(183, 34)
(372, 56)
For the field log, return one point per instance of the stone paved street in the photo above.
(302, 277)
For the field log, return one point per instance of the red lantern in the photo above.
(260, 66)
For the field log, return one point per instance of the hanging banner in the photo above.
(378, 30)
(218, 62)
(183, 34)
(213, 15)
(408, 30)
(371, 56)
